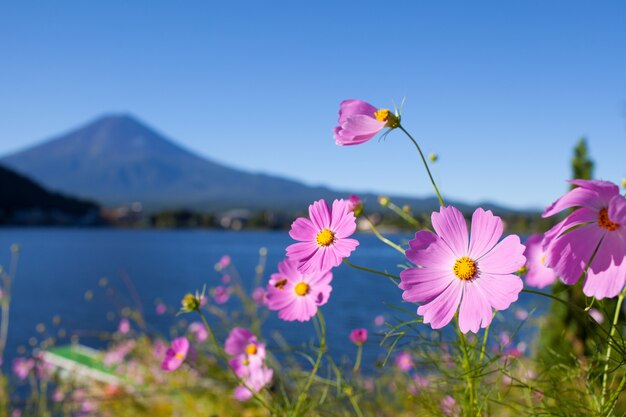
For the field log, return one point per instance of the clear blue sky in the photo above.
(500, 90)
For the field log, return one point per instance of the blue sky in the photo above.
(500, 90)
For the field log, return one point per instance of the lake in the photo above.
(58, 267)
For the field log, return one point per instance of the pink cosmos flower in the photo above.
(358, 336)
(124, 326)
(598, 223)
(176, 354)
(22, 367)
(199, 331)
(221, 294)
(379, 320)
(258, 295)
(475, 272)
(449, 406)
(596, 315)
(297, 295)
(360, 121)
(356, 204)
(248, 353)
(254, 383)
(537, 273)
(223, 263)
(160, 309)
(323, 240)
(404, 361)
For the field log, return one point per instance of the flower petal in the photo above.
(441, 309)
(302, 229)
(450, 225)
(349, 108)
(500, 290)
(486, 231)
(505, 258)
(429, 250)
(319, 212)
(475, 311)
(424, 284)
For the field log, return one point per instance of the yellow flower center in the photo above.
(179, 356)
(465, 268)
(543, 259)
(382, 115)
(325, 237)
(605, 222)
(302, 288)
(280, 285)
(251, 349)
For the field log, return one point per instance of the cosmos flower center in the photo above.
(280, 285)
(251, 349)
(325, 237)
(605, 222)
(465, 268)
(179, 356)
(382, 115)
(302, 288)
(543, 259)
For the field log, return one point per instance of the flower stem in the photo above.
(357, 362)
(607, 358)
(373, 271)
(318, 361)
(384, 239)
(432, 180)
(407, 217)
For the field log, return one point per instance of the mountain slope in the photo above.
(23, 198)
(117, 159)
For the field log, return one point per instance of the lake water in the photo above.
(58, 266)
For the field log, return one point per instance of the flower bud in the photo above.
(383, 201)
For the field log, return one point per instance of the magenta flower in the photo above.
(475, 272)
(258, 295)
(355, 205)
(22, 367)
(404, 361)
(124, 326)
(221, 294)
(199, 331)
(449, 406)
(248, 354)
(598, 223)
(296, 295)
(360, 121)
(223, 263)
(537, 273)
(358, 336)
(160, 309)
(323, 240)
(176, 354)
(254, 383)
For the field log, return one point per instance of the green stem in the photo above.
(357, 362)
(482, 349)
(409, 219)
(432, 180)
(318, 361)
(467, 367)
(607, 358)
(615, 396)
(373, 271)
(384, 239)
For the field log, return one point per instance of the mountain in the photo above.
(117, 160)
(24, 201)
